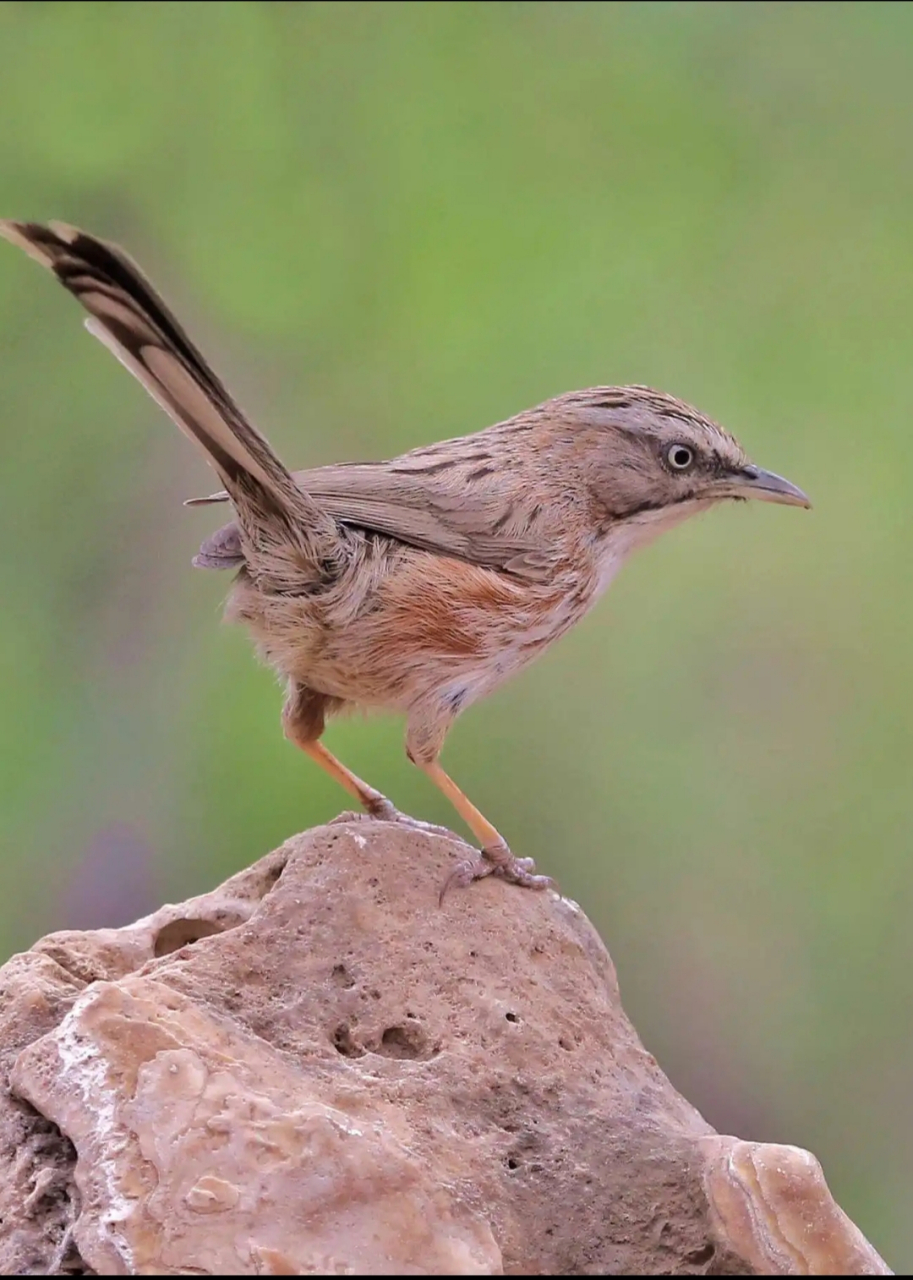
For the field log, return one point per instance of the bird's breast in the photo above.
(611, 551)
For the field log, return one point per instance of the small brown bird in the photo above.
(418, 584)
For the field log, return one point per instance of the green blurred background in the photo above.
(390, 224)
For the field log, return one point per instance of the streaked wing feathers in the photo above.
(469, 522)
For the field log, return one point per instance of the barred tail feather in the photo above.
(128, 316)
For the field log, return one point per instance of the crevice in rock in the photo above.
(45, 1164)
(272, 877)
(67, 1260)
(77, 967)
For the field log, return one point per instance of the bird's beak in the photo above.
(754, 482)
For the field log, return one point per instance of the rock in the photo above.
(315, 1068)
(774, 1201)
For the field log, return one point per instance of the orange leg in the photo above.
(371, 801)
(303, 719)
(497, 858)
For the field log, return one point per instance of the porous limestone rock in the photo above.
(317, 1069)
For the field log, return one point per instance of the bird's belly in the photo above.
(427, 628)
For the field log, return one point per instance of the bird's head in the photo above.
(655, 460)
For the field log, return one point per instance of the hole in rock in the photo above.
(512, 1163)
(698, 1257)
(341, 976)
(181, 933)
(512, 1017)
(344, 1043)
(402, 1042)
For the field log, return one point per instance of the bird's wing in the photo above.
(434, 506)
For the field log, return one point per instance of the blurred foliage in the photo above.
(393, 223)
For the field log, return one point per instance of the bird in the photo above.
(421, 583)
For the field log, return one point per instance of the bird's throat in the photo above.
(627, 535)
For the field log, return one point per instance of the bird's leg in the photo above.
(496, 858)
(424, 739)
(373, 802)
(303, 719)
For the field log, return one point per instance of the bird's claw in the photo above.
(520, 871)
(386, 811)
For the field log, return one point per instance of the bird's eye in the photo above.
(680, 457)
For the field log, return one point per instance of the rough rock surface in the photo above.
(317, 1069)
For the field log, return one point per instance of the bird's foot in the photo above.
(496, 861)
(386, 811)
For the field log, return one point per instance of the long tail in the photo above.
(129, 317)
